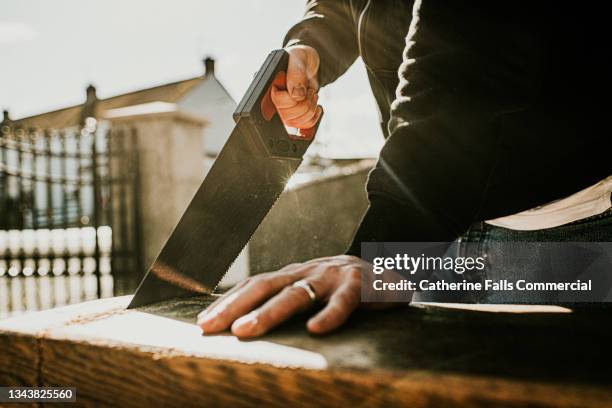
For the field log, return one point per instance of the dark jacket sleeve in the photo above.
(477, 130)
(329, 28)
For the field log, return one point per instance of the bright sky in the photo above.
(51, 50)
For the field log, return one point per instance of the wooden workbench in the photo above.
(418, 356)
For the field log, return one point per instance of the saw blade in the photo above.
(234, 198)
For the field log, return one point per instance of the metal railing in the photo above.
(68, 214)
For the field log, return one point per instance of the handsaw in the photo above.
(243, 184)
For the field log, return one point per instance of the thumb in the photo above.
(297, 76)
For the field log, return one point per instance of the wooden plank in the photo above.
(422, 356)
(21, 338)
(19, 359)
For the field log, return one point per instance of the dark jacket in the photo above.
(499, 107)
(343, 30)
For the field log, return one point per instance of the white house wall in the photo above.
(210, 100)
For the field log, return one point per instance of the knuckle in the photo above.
(288, 290)
(292, 291)
(269, 276)
(255, 279)
(286, 269)
(353, 274)
(261, 285)
(332, 268)
(260, 276)
(298, 297)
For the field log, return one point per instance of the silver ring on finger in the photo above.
(303, 284)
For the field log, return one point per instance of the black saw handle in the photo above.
(257, 110)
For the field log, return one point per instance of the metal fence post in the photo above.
(136, 217)
(97, 203)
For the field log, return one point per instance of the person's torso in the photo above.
(533, 72)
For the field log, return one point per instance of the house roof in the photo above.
(71, 116)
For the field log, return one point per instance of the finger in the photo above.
(303, 120)
(312, 67)
(294, 112)
(247, 297)
(340, 306)
(288, 302)
(313, 121)
(310, 105)
(287, 269)
(281, 99)
(297, 77)
(236, 304)
(220, 298)
(299, 109)
(282, 306)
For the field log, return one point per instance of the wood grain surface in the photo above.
(420, 356)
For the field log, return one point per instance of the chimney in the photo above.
(5, 116)
(209, 66)
(91, 94)
(89, 107)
